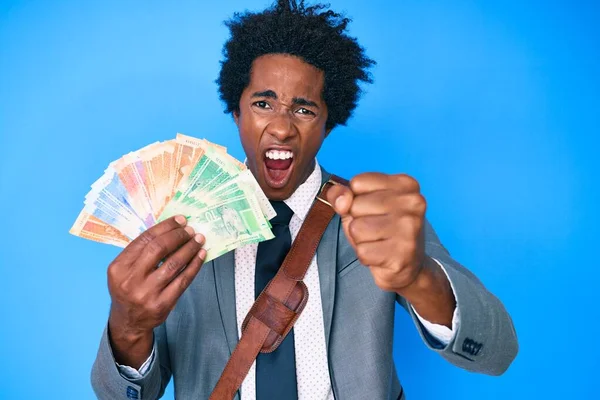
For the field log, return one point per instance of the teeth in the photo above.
(279, 155)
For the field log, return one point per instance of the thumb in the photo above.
(341, 198)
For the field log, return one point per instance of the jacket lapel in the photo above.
(326, 262)
(224, 268)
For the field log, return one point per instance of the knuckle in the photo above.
(182, 234)
(408, 203)
(380, 282)
(138, 298)
(362, 253)
(146, 237)
(354, 227)
(409, 182)
(125, 286)
(357, 182)
(112, 272)
(184, 281)
(401, 178)
(395, 268)
(354, 181)
(407, 222)
(172, 265)
(416, 199)
(419, 203)
(157, 309)
(156, 247)
(416, 185)
(169, 222)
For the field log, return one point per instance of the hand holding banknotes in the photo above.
(144, 294)
(177, 203)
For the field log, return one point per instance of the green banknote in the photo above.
(211, 171)
(230, 223)
(247, 181)
(229, 215)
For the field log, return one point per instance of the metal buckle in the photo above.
(322, 189)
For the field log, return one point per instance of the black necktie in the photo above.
(276, 371)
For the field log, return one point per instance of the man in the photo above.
(289, 77)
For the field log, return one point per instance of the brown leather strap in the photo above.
(279, 305)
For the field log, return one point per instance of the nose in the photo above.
(281, 126)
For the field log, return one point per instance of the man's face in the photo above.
(281, 121)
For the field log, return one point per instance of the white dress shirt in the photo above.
(312, 370)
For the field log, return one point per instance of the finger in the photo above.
(175, 289)
(372, 181)
(176, 262)
(161, 247)
(387, 202)
(131, 252)
(374, 253)
(371, 228)
(374, 203)
(340, 197)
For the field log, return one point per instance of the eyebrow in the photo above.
(304, 102)
(266, 93)
(300, 101)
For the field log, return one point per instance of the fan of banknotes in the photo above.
(186, 176)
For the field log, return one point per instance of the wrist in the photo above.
(431, 294)
(426, 283)
(129, 346)
(128, 337)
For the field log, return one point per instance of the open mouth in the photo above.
(278, 167)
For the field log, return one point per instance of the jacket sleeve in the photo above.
(485, 340)
(109, 384)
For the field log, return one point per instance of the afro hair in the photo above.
(312, 33)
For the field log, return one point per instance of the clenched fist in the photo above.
(383, 217)
(143, 294)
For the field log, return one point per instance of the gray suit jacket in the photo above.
(195, 342)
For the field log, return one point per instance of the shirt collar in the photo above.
(301, 200)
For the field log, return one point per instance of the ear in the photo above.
(327, 132)
(236, 116)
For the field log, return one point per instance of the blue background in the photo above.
(492, 106)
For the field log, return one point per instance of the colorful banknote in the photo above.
(89, 227)
(189, 176)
